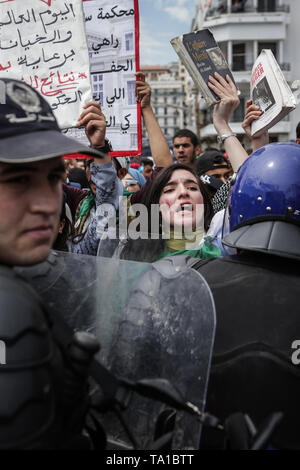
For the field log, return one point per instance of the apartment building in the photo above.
(167, 97)
(243, 28)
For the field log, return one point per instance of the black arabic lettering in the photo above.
(66, 57)
(8, 47)
(63, 40)
(42, 20)
(22, 18)
(116, 96)
(3, 23)
(114, 13)
(114, 68)
(105, 42)
(29, 43)
(112, 122)
(62, 14)
(117, 44)
(127, 125)
(64, 99)
(48, 40)
(54, 57)
(24, 61)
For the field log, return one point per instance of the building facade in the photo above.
(167, 97)
(242, 29)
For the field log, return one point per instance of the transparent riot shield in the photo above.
(150, 325)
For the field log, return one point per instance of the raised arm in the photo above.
(158, 144)
(223, 110)
(104, 176)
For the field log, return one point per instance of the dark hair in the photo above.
(88, 162)
(146, 161)
(298, 131)
(149, 250)
(60, 243)
(78, 175)
(187, 133)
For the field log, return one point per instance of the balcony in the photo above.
(246, 6)
(243, 73)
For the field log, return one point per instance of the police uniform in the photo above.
(256, 298)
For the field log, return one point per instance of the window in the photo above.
(239, 113)
(133, 140)
(131, 92)
(238, 57)
(98, 87)
(266, 5)
(268, 45)
(129, 42)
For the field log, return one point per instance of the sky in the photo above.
(160, 21)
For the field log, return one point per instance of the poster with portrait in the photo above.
(112, 30)
(43, 43)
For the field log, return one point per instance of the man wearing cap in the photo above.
(214, 163)
(38, 408)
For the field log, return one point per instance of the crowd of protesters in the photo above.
(221, 209)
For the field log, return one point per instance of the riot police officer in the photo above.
(42, 391)
(253, 379)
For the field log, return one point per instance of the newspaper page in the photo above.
(43, 43)
(269, 91)
(112, 30)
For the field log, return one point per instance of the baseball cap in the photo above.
(210, 160)
(28, 129)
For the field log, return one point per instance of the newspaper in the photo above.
(270, 91)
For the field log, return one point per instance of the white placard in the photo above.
(112, 30)
(43, 43)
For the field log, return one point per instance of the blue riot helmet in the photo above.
(264, 205)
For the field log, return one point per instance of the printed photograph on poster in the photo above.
(217, 58)
(263, 96)
(112, 33)
(43, 43)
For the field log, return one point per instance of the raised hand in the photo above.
(94, 122)
(252, 113)
(227, 92)
(142, 91)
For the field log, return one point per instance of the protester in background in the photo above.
(65, 227)
(133, 181)
(147, 167)
(213, 163)
(78, 175)
(80, 163)
(186, 147)
(105, 186)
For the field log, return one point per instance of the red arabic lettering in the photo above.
(258, 71)
(55, 84)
